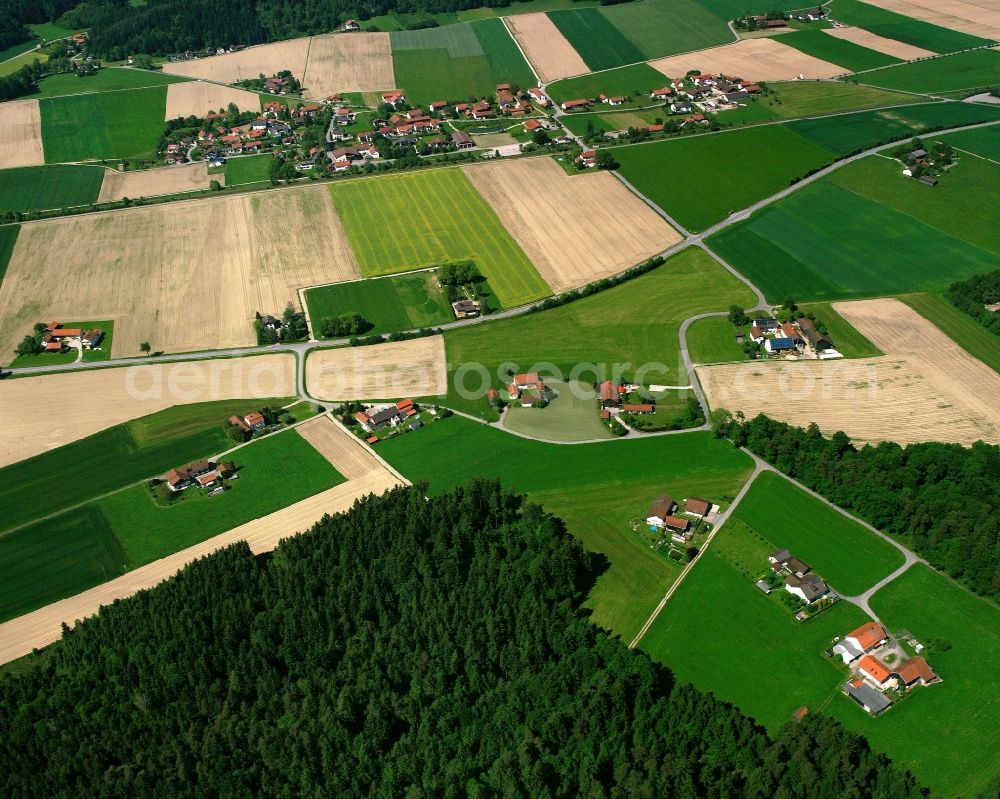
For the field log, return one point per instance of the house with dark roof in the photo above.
(809, 588)
(816, 339)
(776, 346)
(660, 510)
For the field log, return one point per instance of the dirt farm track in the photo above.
(925, 387)
(184, 276)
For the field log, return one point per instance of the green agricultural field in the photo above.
(839, 549)
(107, 80)
(959, 327)
(37, 188)
(846, 338)
(851, 133)
(115, 458)
(574, 415)
(977, 69)
(635, 325)
(713, 340)
(89, 356)
(47, 31)
(56, 558)
(665, 27)
(727, 179)
(720, 633)
(456, 62)
(597, 489)
(954, 206)
(12, 65)
(8, 237)
(411, 221)
(947, 734)
(795, 99)
(103, 126)
(984, 142)
(896, 26)
(731, 9)
(275, 472)
(637, 80)
(600, 44)
(852, 57)
(825, 243)
(617, 120)
(391, 304)
(245, 169)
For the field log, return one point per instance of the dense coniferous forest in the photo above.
(973, 295)
(405, 649)
(15, 15)
(940, 500)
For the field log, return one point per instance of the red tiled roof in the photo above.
(677, 523)
(868, 635)
(874, 669)
(915, 669)
(637, 408)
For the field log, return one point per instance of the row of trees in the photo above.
(939, 500)
(973, 295)
(409, 648)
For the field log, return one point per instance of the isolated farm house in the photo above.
(660, 510)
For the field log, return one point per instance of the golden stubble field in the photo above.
(21, 143)
(185, 276)
(575, 229)
(44, 412)
(247, 64)
(549, 52)
(414, 368)
(879, 43)
(750, 59)
(925, 387)
(351, 62)
(153, 182)
(980, 18)
(197, 98)
(370, 475)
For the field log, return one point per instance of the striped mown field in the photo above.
(405, 222)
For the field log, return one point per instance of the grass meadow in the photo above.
(246, 169)
(637, 80)
(404, 302)
(106, 80)
(115, 458)
(959, 327)
(600, 44)
(713, 340)
(828, 243)
(732, 171)
(405, 222)
(8, 238)
(891, 25)
(573, 415)
(976, 69)
(852, 57)
(635, 325)
(839, 549)
(597, 489)
(108, 125)
(12, 65)
(37, 188)
(848, 340)
(984, 142)
(947, 734)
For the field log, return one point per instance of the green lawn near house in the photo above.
(976, 69)
(713, 340)
(107, 125)
(851, 558)
(947, 734)
(591, 487)
(274, 472)
(37, 188)
(852, 57)
(634, 325)
(724, 181)
(244, 169)
(873, 250)
(891, 25)
(959, 327)
(404, 222)
(391, 304)
(116, 457)
(636, 81)
(572, 415)
(847, 339)
(106, 80)
(12, 65)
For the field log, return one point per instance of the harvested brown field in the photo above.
(20, 134)
(48, 411)
(415, 368)
(246, 64)
(183, 276)
(345, 451)
(352, 62)
(925, 388)
(154, 182)
(43, 626)
(197, 98)
(575, 229)
(879, 43)
(981, 18)
(751, 59)
(549, 52)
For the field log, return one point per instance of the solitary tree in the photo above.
(144, 347)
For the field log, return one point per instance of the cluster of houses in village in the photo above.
(663, 516)
(799, 578)
(391, 416)
(201, 473)
(879, 667)
(798, 339)
(55, 337)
